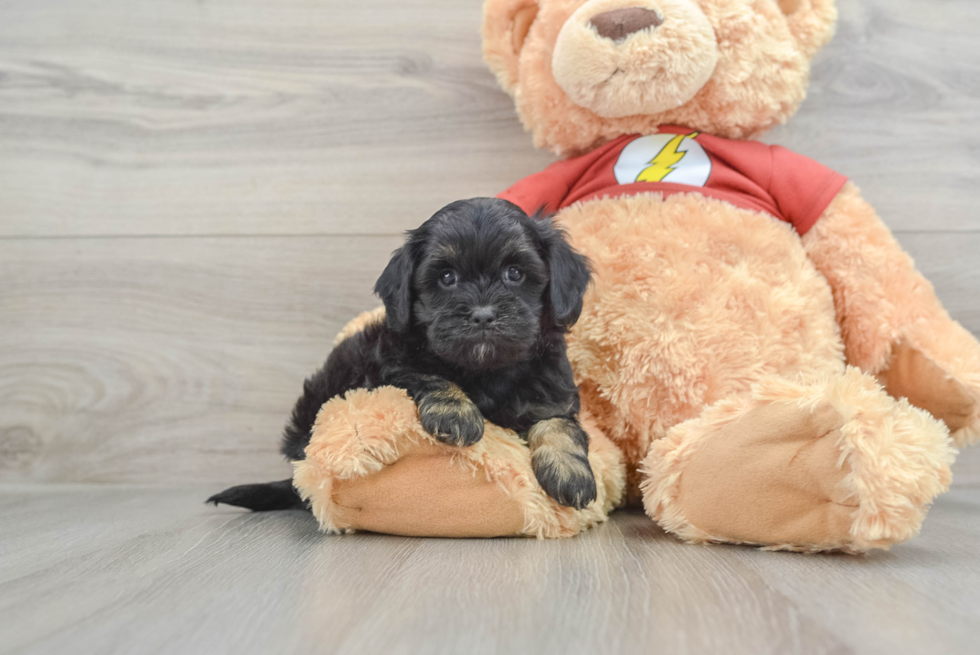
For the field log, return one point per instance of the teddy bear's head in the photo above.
(586, 71)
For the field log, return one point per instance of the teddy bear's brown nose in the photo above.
(620, 23)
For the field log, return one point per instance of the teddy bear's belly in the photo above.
(693, 301)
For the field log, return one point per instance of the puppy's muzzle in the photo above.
(483, 317)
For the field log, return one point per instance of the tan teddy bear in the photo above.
(758, 358)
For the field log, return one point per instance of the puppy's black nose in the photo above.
(483, 316)
(620, 23)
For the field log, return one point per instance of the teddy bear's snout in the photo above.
(620, 58)
(620, 23)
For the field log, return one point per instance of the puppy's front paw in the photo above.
(565, 477)
(451, 417)
(559, 457)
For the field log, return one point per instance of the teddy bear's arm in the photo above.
(892, 323)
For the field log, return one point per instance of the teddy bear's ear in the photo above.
(505, 27)
(812, 22)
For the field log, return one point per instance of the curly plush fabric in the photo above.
(684, 312)
(893, 324)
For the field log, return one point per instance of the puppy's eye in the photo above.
(448, 279)
(514, 274)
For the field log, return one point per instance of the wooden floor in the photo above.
(196, 194)
(111, 569)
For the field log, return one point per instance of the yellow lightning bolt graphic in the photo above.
(665, 161)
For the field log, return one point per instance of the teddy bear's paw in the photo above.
(770, 476)
(837, 465)
(914, 375)
(429, 491)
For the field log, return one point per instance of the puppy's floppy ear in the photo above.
(394, 287)
(570, 271)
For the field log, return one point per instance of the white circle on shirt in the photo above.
(674, 158)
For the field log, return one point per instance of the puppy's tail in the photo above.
(261, 497)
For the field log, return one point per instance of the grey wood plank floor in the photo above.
(196, 195)
(117, 569)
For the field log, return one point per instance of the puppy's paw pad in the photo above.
(452, 420)
(567, 478)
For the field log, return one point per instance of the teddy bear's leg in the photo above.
(834, 465)
(893, 325)
(371, 466)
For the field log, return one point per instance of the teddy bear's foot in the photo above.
(371, 466)
(949, 395)
(838, 465)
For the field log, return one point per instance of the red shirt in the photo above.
(747, 174)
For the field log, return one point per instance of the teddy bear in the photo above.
(758, 360)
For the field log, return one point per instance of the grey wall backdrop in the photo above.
(196, 196)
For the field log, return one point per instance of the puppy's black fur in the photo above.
(477, 303)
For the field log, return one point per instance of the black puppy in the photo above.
(477, 304)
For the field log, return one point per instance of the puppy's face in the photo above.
(478, 285)
(481, 279)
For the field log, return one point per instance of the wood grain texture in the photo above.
(166, 360)
(119, 569)
(247, 116)
(894, 103)
(128, 117)
(156, 360)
